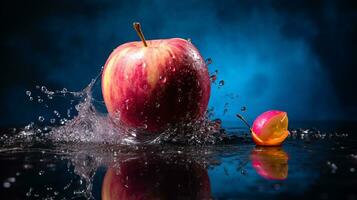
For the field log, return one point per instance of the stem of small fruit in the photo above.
(138, 30)
(243, 120)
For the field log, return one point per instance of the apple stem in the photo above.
(243, 120)
(138, 30)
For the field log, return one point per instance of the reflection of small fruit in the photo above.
(270, 128)
(155, 82)
(148, 177)
(270, 162)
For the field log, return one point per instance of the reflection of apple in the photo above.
(270, 128)
(153, 83)
(270, 162)
(155, 178)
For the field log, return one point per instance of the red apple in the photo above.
(150, 84)
(149, 177)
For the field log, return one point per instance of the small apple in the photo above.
(270, 162)
(153, 83)
(152, 177)
(269, 128)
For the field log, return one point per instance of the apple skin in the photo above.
(270, 128)
(166, 82)
(270, 162)
(149, 177)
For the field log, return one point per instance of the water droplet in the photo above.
(52, 121)
(63, 121)
(31, 98)
(333, 167)
(225, 111)
(57, 113)
(157, 105)
(28, 93)
(27, 166)
(243, 109)
(78, 107)
(41, 172)
(69, 112)
(163, 79)
(189, 40)
(39, 100)
(6, 184)
(41, 118)
(225, 108)
(29, 192)
(145, 126)
(12, 179)
(208, 61)
(213, 78)
(221, 83)
(127, 104)
(44, 89)
(64, 90)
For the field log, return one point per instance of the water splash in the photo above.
(87, 139)
(91, 126)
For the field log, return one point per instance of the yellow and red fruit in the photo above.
(270, 128)
(153, 83)
(270, 162)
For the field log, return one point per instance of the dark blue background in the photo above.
(297, 56)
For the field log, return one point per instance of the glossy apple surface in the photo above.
(270, 128)
(156, 178)
(270, 162)
(165, 82)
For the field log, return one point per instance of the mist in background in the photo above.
(297, 56)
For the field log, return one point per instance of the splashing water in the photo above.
(91, 139)
(87, 140)
(90, 125)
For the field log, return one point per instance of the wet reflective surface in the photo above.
(312, 164)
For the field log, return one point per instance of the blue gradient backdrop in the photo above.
(286, 55)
